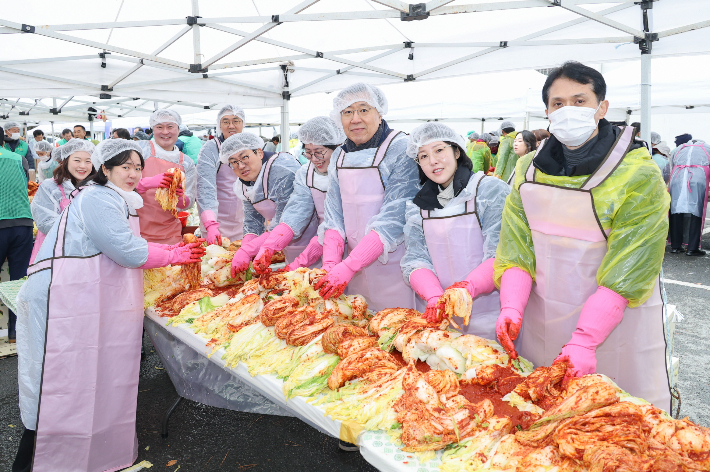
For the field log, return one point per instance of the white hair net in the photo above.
(321, 130)
(486, 137)
(360, 92)
(655, 137)
(43, 146)
(430, 132)
(507, 124)
(109, 148)
(11, 124)
(72, 146)
(237, 143)
(184, 128)
(165, 116)
(473, 135)
(228, 110)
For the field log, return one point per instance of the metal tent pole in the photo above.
(284, 110)
(483, 125)
(646, 45)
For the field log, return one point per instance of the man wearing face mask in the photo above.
(581, 245)
(14, 143)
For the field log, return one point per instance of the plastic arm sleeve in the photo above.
(300, 207)
(515, 248)
(207, 166)
(416, 255)
(45, 205)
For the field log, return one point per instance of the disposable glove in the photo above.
(308, 257)
(601, 313)
(428, 287)
(209, 221)
(278, 239)
(515, 286)
(333, 249)
(157, 181)
(250, 246)
(367, 251)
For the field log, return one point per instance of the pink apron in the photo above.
(230, 210)
(317, 194)
(455, 244)
(362, 192)
(40, 235)
(569, 247)
(158, 225)
(89, 390)
(267, 209)
(705, 169)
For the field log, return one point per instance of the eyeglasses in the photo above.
(234, 162)
(350, 114)
(319, 155)
(233, 121)
(424, 158)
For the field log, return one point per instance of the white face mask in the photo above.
(572, 126)
(15, 136)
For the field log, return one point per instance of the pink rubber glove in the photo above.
(157, 181)
(601, 313)
(428, 287)
(367, 251)
(161, 255)
(209, 221)
(250, 246)
(480, 280)
(278, 239)
(515, 286)
(308, 257)
(333, 249)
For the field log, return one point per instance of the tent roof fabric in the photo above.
(129, 57)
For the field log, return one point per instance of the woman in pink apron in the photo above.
(80, 323)
(158, 225)
(52, 196)
(371, 180)
(452, 227)
(264, 185)
(305, 209)
(587, 219)
(221, 212)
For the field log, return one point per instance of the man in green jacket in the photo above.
(66, 136)
(507, 159)
(15, 143)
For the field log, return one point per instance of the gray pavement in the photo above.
(204, 438)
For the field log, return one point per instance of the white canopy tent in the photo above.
(128, 57)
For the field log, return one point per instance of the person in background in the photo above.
(191, 143)
(221, 212)
(452, 228)
(524, 143)
(80, 319)
(158, 225)
(80, 132)
(15, 143)
(140, 136)
(370, 182)
(52, 196)
(120, 133)
(272, 144)
(586, 221)
(682, 139)
(688, 186)
(15, 219)
(66, 136)
(472, 138)
(637, 127)
(305, 210)
(540, 135)
(507, 159)
(660, 154)
(480, 154)
(38, 136)
(45, 163)
(493, 146)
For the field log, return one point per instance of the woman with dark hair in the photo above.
(452, 228)
(52, 196)
(80, 318)
(120, 133)
(525, 142)
(540, 135)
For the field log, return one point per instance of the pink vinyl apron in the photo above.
(569, 247)
(89, 389)
(317, 194)
(40, 235)
(705, 169)
(158, 225)
(455, 244)
(267, 209)
(230, 209)
(362, 192)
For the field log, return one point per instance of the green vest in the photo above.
(21, 149)
(14, 202)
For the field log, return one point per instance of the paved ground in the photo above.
(212, 439)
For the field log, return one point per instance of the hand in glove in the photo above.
(426, 284)
(515, 286)
(187, 254)
(212, 227)
(278, 239)
(157, 181)
(601, 313)
(333, 284)
(250, 246)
